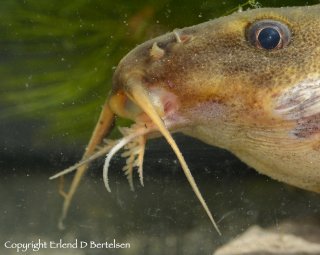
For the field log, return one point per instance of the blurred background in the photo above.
(56, 64)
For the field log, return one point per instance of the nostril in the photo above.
(156, 52)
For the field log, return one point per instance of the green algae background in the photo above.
(57, 57)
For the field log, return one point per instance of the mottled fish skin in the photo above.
(211, 83)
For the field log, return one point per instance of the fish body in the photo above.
(248, 82)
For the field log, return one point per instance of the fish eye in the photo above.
(268, 35)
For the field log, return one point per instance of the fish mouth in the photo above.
(139, 102)
(121, 104)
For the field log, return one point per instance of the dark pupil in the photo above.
(269, 38)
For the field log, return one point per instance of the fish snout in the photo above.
(123, 106)
(127, 100)
(129, 71)
(147, 67)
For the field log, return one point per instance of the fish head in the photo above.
(248, 82)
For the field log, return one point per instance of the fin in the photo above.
(301, 103)
(102, 128)
(140, 97)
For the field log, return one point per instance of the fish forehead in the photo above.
(220, 58)
(221, 54)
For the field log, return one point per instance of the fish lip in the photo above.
(169, 115)
(123, 103)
